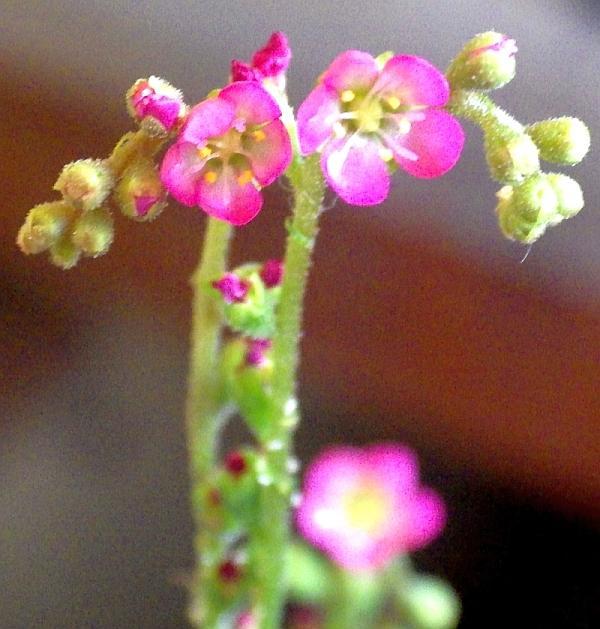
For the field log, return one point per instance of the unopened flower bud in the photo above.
(235, 464)
(85, 183)
(249, 303)
(563, 140)
(487, 62)
(524, 211)
(258, 353)
(44, 225)
(233, 289)
(64, 253)
(511, 158)
(431, 603)
(140, 193)
(94, 232)
(156, 105)
(229, 571)
(272, 273)
(568, 193)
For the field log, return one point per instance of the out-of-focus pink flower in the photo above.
(233, 289)
(268, 63)
(156, 99)
(365, 116)
(363, 507)
(246, 620)
(229, 148)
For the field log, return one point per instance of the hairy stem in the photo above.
(271, 536)
(203, 412)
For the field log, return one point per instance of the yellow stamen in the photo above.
(347, 96)
(204, 152)
(245, 177)
(386, 154)
(367, 508)
(210, 176)
(394, 102)
(259, 135)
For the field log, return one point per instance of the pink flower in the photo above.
(157, 100)
(363, 507)
(229, 148)
(270, 62)
(272, 273)
(365, 117)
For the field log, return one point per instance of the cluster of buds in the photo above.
(82, 223)
(530, 200)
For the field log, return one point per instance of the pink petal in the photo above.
(269, 150)
(352, 70)
(355, 170)
(241, 71)
(251, 102)
(180, 171)
(427, 519)
(165, 110)
(396, 467)
(436, 138)
(274, 57)
(210, 118)
(414, 81)
(316, 117)
(228, 199)
(143, 204)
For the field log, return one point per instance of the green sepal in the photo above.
(309, 574)
(429, 602)
(563, 140)
(255, 316)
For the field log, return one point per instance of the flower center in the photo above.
(367, 507)
(368, 115)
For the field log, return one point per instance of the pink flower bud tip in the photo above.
(235, 463)
(269, 62)
(229, 571)
(505, 45)
(255, 356)
(157, 99)
(364, 507)
(144, 203)
(232, 288)
(272, 273)
(246, 620)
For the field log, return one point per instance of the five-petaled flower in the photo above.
(366, 116)
(229, 148)
(363, 507)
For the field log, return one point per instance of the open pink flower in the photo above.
(365, 116)
(363, 507)
(229, 148)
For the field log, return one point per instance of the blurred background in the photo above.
(422, 325)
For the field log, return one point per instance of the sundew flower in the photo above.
(365, 116)
(363, 507)
(230, 146)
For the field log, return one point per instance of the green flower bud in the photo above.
(85, 183)
(94, 232)
(247, 373)
(431, 603)
(64, 253)
(249, 302)
(524, 211)
(44, 225)
(309, 574)
(510, 158)
(568, 193)
(140, 193)
(486, 62)
(563, 140)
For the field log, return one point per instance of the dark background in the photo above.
(421, 324)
